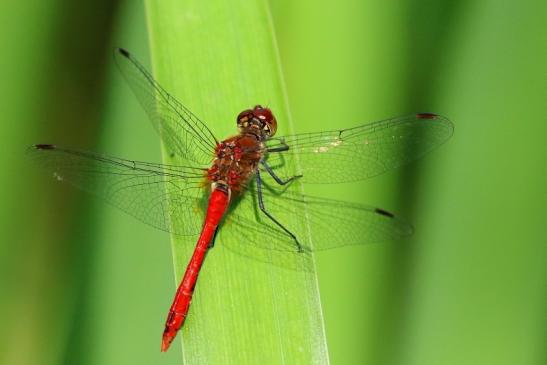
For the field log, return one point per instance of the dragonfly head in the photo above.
(259, 119)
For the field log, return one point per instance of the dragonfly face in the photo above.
(259, 121)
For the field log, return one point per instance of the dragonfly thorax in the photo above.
(236, 159)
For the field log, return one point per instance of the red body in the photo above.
(235, 162)
(218, 202)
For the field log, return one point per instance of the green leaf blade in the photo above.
(219, 59)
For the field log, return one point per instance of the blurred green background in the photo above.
(82, 283)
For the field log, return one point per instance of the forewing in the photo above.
(182, 132)
(170, 198)
(361, 152)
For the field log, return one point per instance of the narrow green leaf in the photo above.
(219, 58)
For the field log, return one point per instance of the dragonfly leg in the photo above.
(263, 209)
(284, 147)
(277, 178)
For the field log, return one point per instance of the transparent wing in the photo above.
(332, 223)
(361, 152)
(182, 132)
(174, 199)
(170, 198)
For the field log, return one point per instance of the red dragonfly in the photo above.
(249, 179)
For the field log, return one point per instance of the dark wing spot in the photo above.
(123, 52)
(44, 146)
(426, 116)
(384, 212)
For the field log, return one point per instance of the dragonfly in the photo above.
(244, 184)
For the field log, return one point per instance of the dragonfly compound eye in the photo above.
(267, 119)
(244, 118)
(258, 117)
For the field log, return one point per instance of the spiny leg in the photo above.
(277, 178)
(284, 147)
(263, 209)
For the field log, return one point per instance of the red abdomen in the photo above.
(218, 203)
